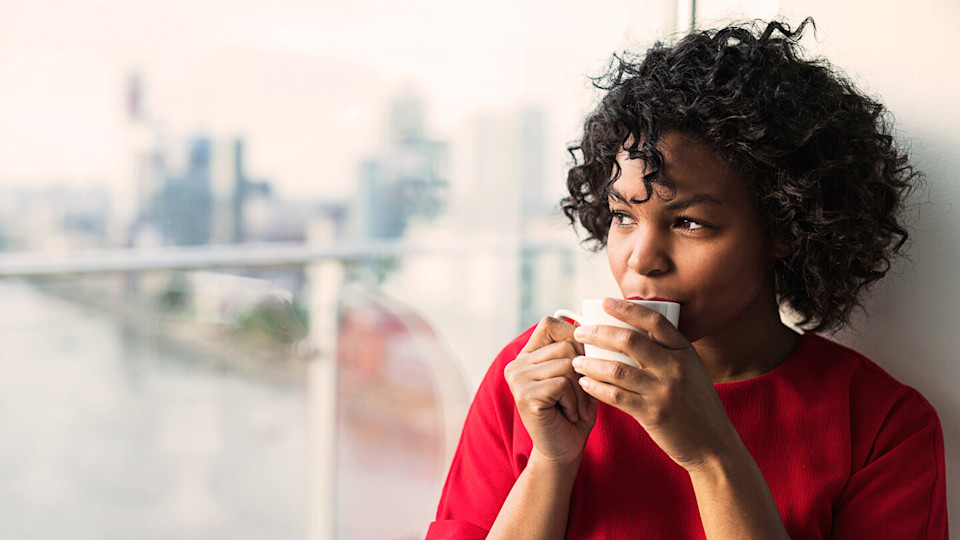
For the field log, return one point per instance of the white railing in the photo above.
(323, 264)
(37, 264)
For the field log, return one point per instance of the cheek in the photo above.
(728, 282)
(732, 276)
(617, 258)
(738, 271)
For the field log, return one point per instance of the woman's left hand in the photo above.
(670, 394)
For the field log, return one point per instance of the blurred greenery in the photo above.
(276, 319)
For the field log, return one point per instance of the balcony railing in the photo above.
(361, 394)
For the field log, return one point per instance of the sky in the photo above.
(306, 83)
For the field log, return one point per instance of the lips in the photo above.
(654, 299)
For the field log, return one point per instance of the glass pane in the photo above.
(258, 256)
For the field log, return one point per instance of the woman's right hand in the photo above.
(555, 410)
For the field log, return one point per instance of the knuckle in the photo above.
(513, 372)
(542, 330)
(660, 323)
(618, 371)
(618, 396)
(625, 340)
(524, 392)
(557, 383)
(561, 349)
(509, 372)
(517, 391)
(524, 403)
(553, 322)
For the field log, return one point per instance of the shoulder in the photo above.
(884, 412)
(896, 453)
(866, 380)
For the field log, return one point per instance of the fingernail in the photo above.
(582, 331)
(576, 362)
(611, 303)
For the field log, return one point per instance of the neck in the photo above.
(748, 347)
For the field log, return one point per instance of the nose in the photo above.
(650, 254)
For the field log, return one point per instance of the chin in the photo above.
(689, 331)
(695, 329)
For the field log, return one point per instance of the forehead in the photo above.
(689, 168)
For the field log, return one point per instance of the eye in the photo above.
(622, 219)
(688, 224)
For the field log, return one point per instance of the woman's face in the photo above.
(702, 247)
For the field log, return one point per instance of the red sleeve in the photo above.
(899, 491)
(483, 469)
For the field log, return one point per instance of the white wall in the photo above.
(905, 53)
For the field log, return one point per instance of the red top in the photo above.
(848, 452)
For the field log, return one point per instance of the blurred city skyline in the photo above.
(306, 85)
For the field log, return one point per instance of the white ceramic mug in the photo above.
(593, 313)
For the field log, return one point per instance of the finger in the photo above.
(661, 330)
(517, 372)
(555, 392)
(636, 345)
(549, 330)
(586, 404)
(590, 404)
(616, 373)
(550, 369)
(612, 395)
(568, 401)
(556, 350)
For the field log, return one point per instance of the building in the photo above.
(406, 179)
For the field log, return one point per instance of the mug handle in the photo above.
(569, 315)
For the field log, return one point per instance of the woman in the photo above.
(731, 175)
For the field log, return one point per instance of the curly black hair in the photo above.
(829, 179)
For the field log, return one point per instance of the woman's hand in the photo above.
(555, 410)
(670, 394)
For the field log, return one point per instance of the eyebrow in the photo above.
(680, 204)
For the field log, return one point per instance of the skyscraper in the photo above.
(405, 179)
